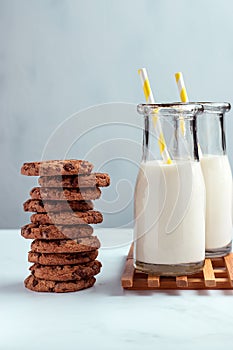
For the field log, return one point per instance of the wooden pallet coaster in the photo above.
(217, 274)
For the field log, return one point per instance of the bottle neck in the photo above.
(211, 133)
(179, 134)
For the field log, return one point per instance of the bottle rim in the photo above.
(170, 109)
(215, 107)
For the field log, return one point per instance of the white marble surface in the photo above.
(105, 316)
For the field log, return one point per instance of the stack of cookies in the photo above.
(63, 250)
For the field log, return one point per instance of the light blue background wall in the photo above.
(58, 57)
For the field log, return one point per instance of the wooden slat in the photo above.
(130, 254)
(217, 262)
(208, 272)
(153, 281)
(229, 265)
(182, 281)
(196, 283)
(128, 274)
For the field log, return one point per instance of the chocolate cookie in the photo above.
(40, 285)
(92, 180)
(57, 167)
(62, 259)
(39, 206)
(71, 218)
(68, 194)
(84, 244)
(37, 231)
(66, 272)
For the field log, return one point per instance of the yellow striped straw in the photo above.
(183, 96)
(150, 99)
(181, 87)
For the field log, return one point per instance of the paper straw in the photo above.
(181, 87)
(184, 98)
(150, 99)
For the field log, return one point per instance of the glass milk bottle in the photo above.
(169, 199)
(218, 178)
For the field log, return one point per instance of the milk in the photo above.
(218, 182)
(169, 213)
